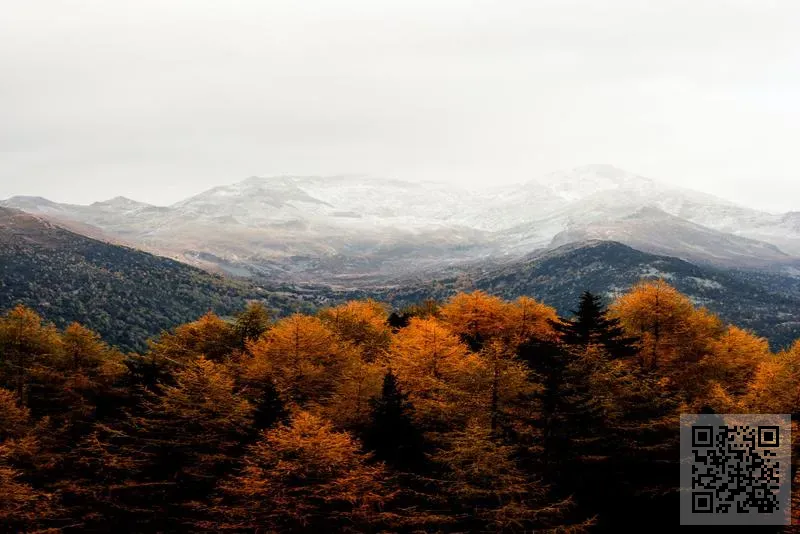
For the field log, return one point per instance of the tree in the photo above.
(269, 408)
(504, 387)
(601, 424)
(529, 320)
(476, 317)
(672, 332)
(14, 418)
(591, 325)
(209, 336)
(724, 376)
(80, 383)
(392, 434)
(22, 506)
(200, 418)
(172, 454)
(426, 309)
(302, 357)
(489, 491)
(250, 324)
(348, 406)
(303, 477)
(25, 343)
(362, 323)
(775, 387)
(436, 368)
(570, 412)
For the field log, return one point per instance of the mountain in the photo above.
(128, 295)
(596, 196)
(124, 294)
(359, 230)
(651, 229)
(767, 303)
(286, 226)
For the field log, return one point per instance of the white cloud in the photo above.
(157, 100)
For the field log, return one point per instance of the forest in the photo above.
(475, 414)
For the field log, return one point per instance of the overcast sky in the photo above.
(157, 100)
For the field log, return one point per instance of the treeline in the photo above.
(476, 414)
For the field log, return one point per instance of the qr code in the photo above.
(735, 469)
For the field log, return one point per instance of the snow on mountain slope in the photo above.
(334, 201)
(601, 193)
(392, 224)
(653, 230)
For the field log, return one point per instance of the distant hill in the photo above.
(124, 294)
(767, 303)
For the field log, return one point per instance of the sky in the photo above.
(161, 99)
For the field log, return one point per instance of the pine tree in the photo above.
(392, 434)
(591, 325)
(398, 320)
(269, 408)
(602, 424)
(568, 413)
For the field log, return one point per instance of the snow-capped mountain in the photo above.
(356, 225)
(653, 230)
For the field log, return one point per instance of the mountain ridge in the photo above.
(384, 228)
(766, 303)
(125, 294)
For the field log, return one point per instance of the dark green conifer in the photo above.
(392, 434)
(590, 324)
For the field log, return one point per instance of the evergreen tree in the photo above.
(397, 320)
(592, 325)
(567, 412)
(392, 434)
(601, 426)
(269, 408)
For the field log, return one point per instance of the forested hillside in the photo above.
(475, 414)
(124, 294)
(768, 303)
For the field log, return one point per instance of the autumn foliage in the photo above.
(471, 415)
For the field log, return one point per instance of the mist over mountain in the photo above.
(359, 229)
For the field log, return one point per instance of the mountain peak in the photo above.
(31, 204)
(28, 199)
(120, 202)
